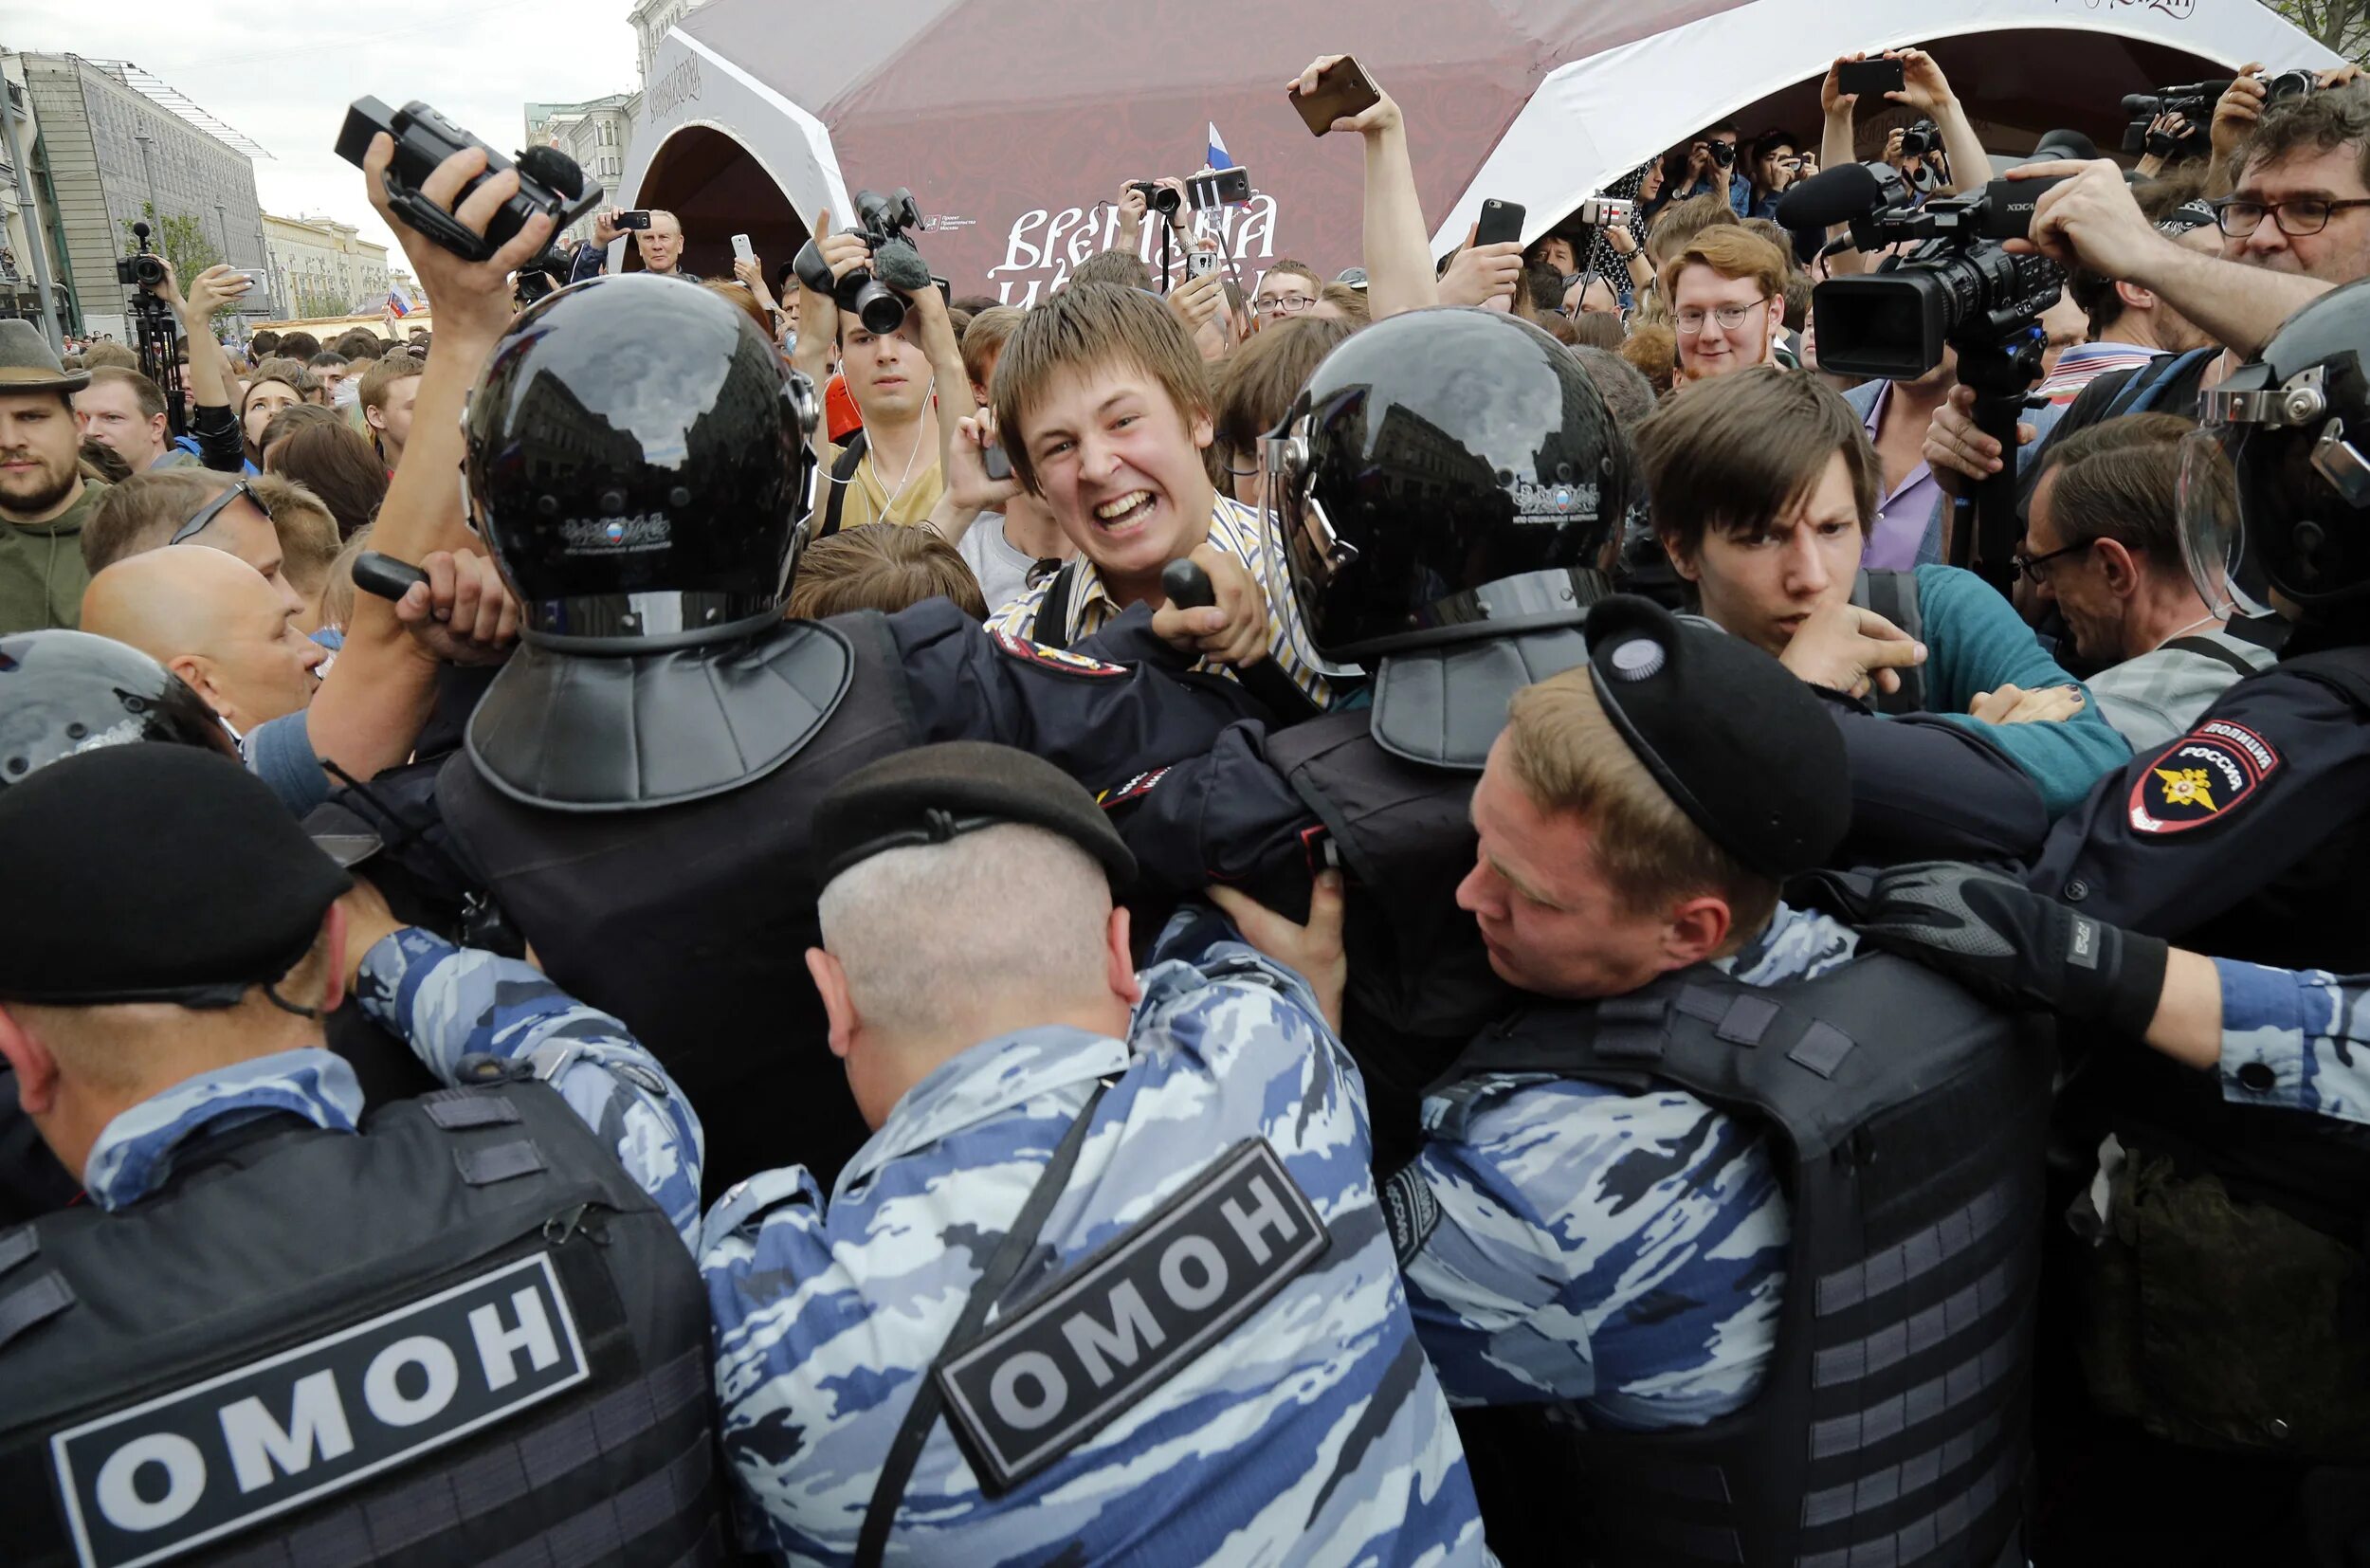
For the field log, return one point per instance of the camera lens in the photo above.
(1163, 198)
(147, 269)
(880, 308)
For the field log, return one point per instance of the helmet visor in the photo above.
(2213, 538)
(1298, 548)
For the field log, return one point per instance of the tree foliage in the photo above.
(2342, 24)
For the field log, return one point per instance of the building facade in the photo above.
(650, 19)
(596, 134)
(112, 155)
(28, 217)
(322, 267)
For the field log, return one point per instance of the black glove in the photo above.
(2010, 945)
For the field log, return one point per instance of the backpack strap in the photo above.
(2217, 651)
(843, 474)
(2147, 383)
(1894, 595)
(1052, 627)
(2344, 670)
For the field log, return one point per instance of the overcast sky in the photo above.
(283, 74)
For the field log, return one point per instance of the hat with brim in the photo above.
(28, 364)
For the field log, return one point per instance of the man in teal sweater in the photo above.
(1762, 486)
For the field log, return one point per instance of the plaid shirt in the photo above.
(1233, 528)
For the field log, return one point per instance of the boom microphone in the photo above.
(1838, 196)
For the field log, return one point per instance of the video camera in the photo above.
(541, 276)
(143, 268)
(549, 180)
(2194, 101)
(882, 223)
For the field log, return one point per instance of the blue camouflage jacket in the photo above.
(2296, 1038)
(1622, 1251)
(449, 1003)
(1314, 1432)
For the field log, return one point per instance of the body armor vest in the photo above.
(1907, 1126)
(461, 1334)
(691, 921)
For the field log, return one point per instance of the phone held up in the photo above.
(1501, 223)
(636, 219)
(1869, 78)
(1606, 211)
(744, 249)
(1342, 93)
(1200, 263)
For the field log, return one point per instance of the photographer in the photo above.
(889, 471)
(221, 443)
(659, 245)
(1925, 88)
(1710, 167)
(1129, 234)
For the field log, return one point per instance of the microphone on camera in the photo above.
(1834, 195)
(554, 168)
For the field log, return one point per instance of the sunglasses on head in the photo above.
(203, 518)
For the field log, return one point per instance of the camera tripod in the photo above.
(1984, 525)
(159, 337)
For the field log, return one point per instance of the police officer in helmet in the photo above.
(2248, 838)
(637, 785)
(457, 1329)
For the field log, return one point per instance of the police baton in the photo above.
(1189, 588)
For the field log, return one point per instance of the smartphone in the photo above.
(1605, 211)
(1869, 78)
(1343, 91)
(992, 457)
(1501, 223)
(1219, 188)
(742, 248)
(637, 219)
(256, 276)
(1202, 263)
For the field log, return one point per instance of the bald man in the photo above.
(221, 628)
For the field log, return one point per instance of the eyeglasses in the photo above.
(204, 517)
(1283, 305)
(2296, 216)
(1729, 317)
(2030, 565)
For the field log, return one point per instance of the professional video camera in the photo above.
(155, 332)
(881, 222)
(549, 180)
(1959, 288)
(541, 275)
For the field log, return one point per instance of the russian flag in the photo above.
(395, 303)
(1219, 157)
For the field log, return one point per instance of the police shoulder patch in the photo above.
(2201, 778)
(1059, 659)
(1135, 788)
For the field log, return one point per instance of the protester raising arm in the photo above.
(1397, 249)
(212, 421)
(1925, 88)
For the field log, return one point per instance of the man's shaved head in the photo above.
(215, 622)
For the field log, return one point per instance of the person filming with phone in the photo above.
(657, 237)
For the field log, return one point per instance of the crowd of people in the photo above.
(1398, 916)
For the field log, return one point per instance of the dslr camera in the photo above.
(1959, 288)
(877, 301)
(1161, 198)
(143, 268)
(549, 180)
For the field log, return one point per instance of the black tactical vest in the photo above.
(1909, 1128)
(691, 923)
(1420, 981)
(461, 1335)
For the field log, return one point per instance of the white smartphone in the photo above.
(742, 248)
(1201, 262)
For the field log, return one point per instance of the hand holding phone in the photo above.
(1501, 223)
(1869, 78)
(742, 248)
(638, 218)
(1342, 92)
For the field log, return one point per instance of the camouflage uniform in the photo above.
(1313, 1433)
(2296, 1038)
(449, 1003)
(1621, 1252)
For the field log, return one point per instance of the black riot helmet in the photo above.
(638, 461)
(1445, 476)
(64, 692)
(2275, 483)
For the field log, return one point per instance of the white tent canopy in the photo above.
(1593, 121)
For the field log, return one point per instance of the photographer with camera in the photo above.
(1925, 88)
(1709, 167)
(902, 366)
(1167, 196)
(660, 245)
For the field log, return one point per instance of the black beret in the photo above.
(1742, 746)
(154, 873)
(931, 793)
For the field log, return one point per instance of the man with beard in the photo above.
(43, 498)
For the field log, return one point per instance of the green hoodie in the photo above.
(41, 575)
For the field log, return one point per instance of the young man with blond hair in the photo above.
(1727, 293)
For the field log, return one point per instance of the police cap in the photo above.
(153, 874)
(1740, 744)
(930, 794)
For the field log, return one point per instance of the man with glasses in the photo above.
(1728, 302)
(1288, 289)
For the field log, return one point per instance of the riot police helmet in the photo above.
(2276, 482)
(1445, 476)
(64, 692)
(638, 462)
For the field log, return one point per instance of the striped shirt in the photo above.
(1233, 528)
(2086, 362)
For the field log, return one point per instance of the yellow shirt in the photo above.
(1234, 529)
(868, 498)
